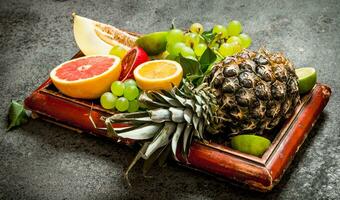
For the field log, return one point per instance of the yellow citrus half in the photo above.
(86, 77)
(158, 75)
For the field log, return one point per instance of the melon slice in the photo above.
(87, 77)
(95, 38)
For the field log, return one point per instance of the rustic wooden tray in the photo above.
(256, 173)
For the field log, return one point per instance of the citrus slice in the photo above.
(307, 79)
(131, 60)
(95, 38)
(153, 43)
(86, 77)
(158, 75)
(250, 144)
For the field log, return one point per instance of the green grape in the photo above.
(131, 92)
(177, 48)
(129, 82)
(237, 47)
(234, 39)
(108, 100)
(117, 88)
(170, 47)
(187, 51)
(170, 57)
(118, 51)
(199, 49)
(226, 49)
(191, 39)
(214, 45)
(196, 28)
(191, 57)
(122, 104)
(219, 29)
(174, 36)
(234, 28)
(245, 40)
(133, 105)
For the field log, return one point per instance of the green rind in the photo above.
(250, 144)
(306, 83)
(153, 43)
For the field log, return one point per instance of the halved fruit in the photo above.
(86, 77)
(158, 75)
(95, 38)
(132, 59)
(250, 144)
(307, 79)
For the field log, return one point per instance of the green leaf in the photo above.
(208, 57)
(17, 115)
(135, 160)
(164, 156)
(195, 79)
(148, 163)
(190, 66)
(208, 36)
(218, 59)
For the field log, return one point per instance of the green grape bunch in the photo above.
(227, 40)
(122, 97)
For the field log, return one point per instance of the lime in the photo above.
(307, 79)
(153, 43)
(250, 144)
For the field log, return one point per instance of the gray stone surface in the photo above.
(43, 161)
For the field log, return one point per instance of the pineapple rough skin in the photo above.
(255, 91)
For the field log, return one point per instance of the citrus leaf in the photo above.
(17, 115)
(208, 57)
(190, 66)
(208, 70)
(208, 36)
(195, 79)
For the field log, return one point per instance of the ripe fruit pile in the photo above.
(199, 81)
(123, 96)
(226, 40)
(223, 40)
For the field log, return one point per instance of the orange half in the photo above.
(158, 75)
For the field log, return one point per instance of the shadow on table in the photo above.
(172, 182)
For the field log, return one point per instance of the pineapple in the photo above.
(247, 93)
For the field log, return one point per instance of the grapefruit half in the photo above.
(95, 38)
(86, 77)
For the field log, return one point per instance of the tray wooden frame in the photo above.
(257, 173)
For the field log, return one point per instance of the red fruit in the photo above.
(131, 60)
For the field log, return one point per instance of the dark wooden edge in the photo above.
(70, 112)
(258, 173)
(262, 173)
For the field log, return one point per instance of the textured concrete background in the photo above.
(43, 161)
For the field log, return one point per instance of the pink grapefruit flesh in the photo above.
(86, 77)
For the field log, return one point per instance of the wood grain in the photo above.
(257, 173)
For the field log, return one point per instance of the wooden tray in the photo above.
(256, 173)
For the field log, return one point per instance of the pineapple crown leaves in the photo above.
(173, 117)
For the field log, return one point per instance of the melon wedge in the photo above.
(95, 38)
